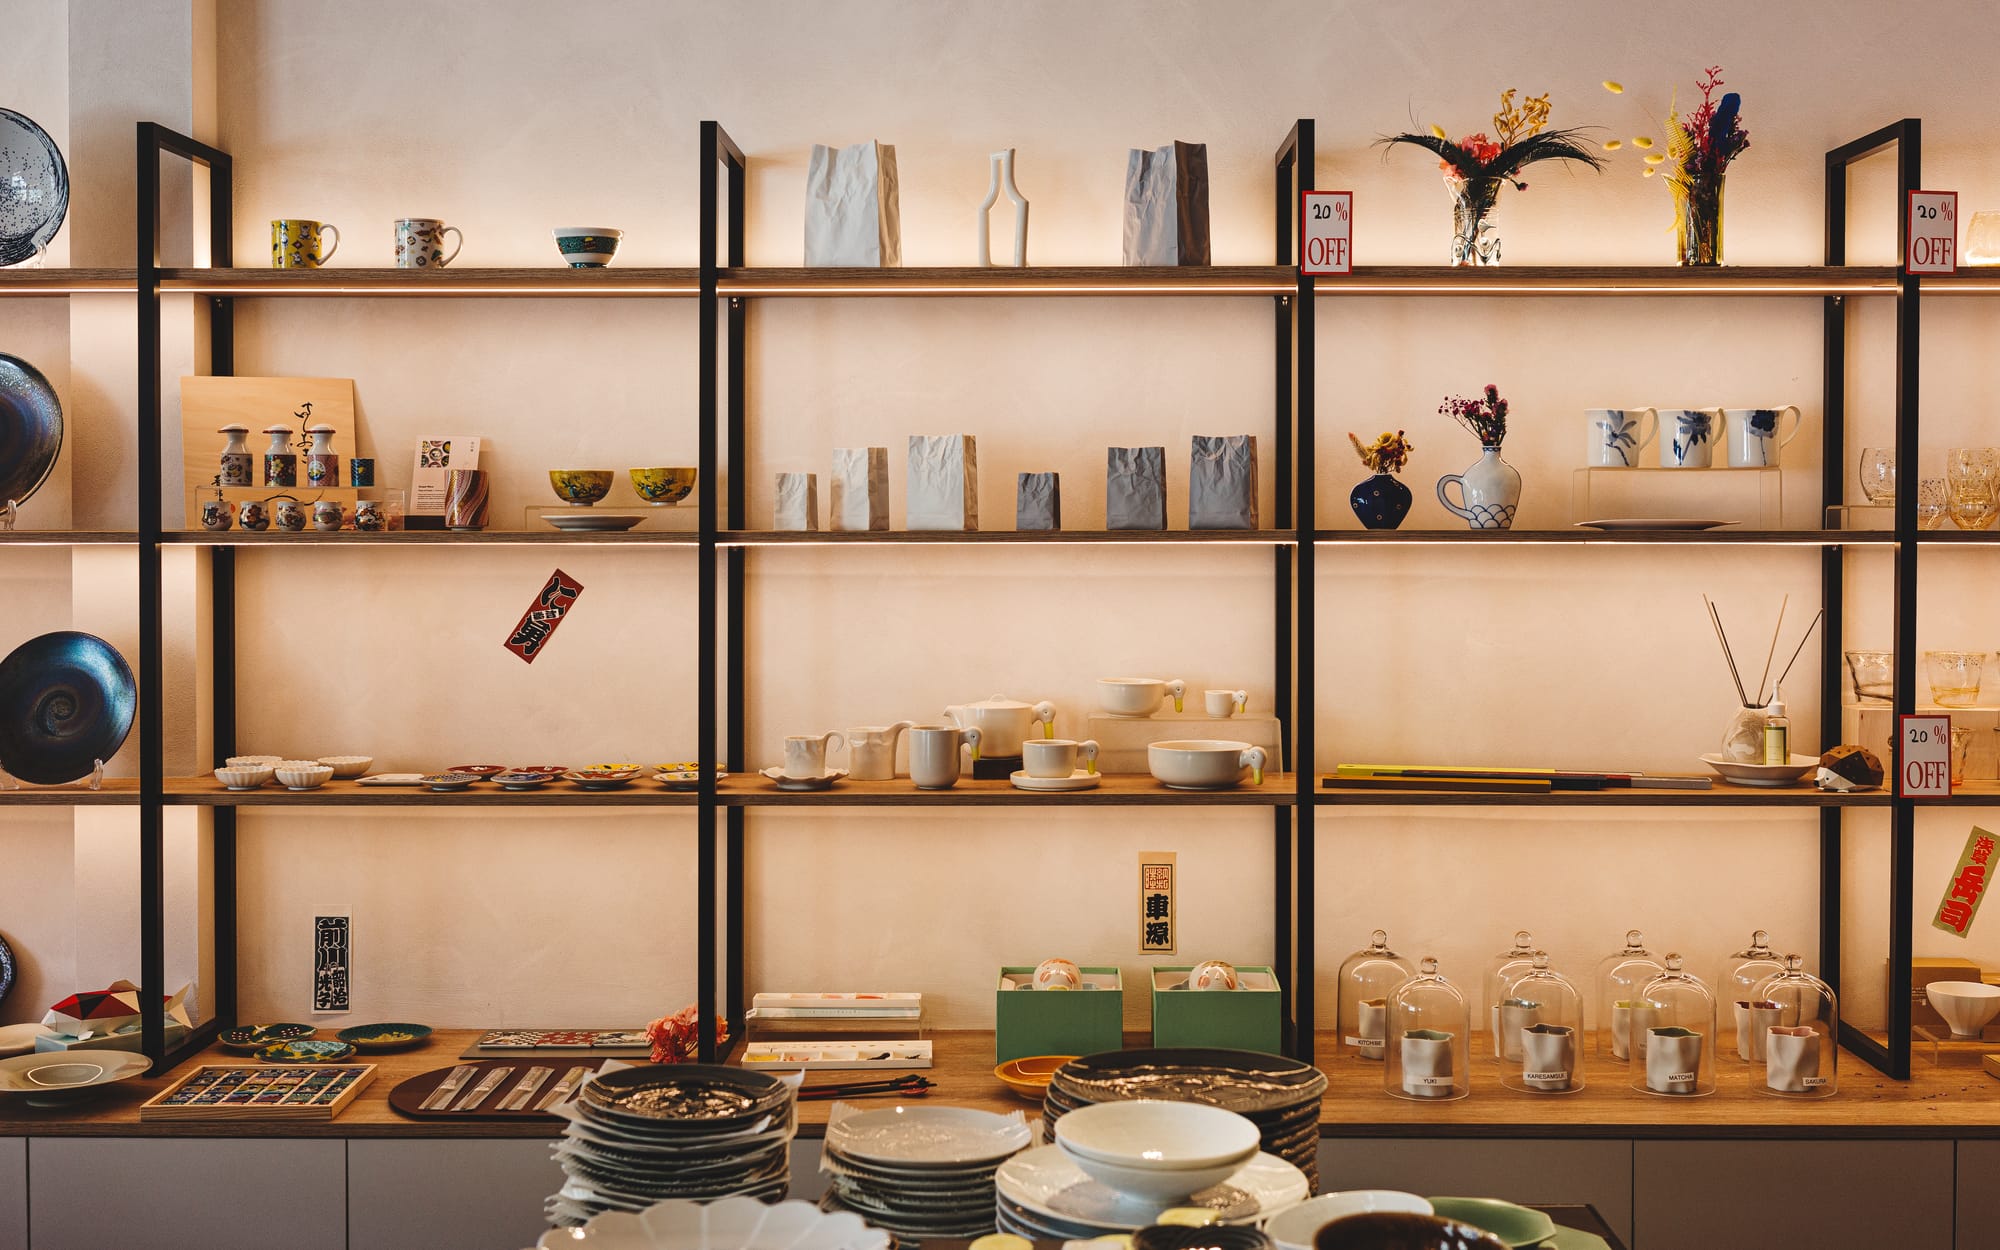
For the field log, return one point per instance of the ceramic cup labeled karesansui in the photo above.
(805, 754)
(1673, 1060)
(420, 243)
(934, 751)
(1614, 437)
(1427, 1063)
(1754, 437)
(295, 243)
(1222, 704)
(1548, 1056)
(1688, 437)
(1057, 757)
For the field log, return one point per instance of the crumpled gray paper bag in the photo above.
(852, 218)
(1166, 205)
(1222, 483)
(1038, 501)
(1135, 488)
(943, 488)
(798, 502)
(860, 489)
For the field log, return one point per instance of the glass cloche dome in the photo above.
(1742, 971)
(1541, 1019)
(1622, 977)
(1367, 978)
(1427, 1038)
(1673, 1035)
(1502, 971)
(1801, 1051)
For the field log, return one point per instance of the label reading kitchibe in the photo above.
(1156, 902)
(1365, 1043)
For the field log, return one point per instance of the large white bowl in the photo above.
(1157, 1135)
(1967, 1006)
(1296, 1227)
(1203, 764)
(1157, 1183)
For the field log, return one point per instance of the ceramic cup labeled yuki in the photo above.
(1509, 1018)
(295, 243)
(1427, 1063)
(934, 752)
(1754, 438)
(1753, 1021)
(1548, 1056)
(420, 243)
(1222, 704)
(1673, 1060)
(1630, 1018)
(1791, 1059)
(1688, 437)
(1369, 1024)
(290, 515)
(327, 515)
(1057, 757)
(805, 754)
(1058, 974)
(1614, 437)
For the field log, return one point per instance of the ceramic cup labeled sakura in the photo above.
(1370, 1025)
(1791, 1059)
(1630, 1018)
(1222, 704)
(1753, 1020)
(420, 243)
(1614, 437)
(1754, 440)
(1427, 1063)
(934, 752)
(1057, 757)
(805, 754)
(1688, 437)
(1673, 1060)
(1509, 1018)
(1548, 1056)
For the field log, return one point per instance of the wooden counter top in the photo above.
(1954, 1100)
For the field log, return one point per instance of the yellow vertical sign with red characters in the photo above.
(1967, 885)
(1156, 902)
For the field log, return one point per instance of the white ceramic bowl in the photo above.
(1967, 1006)
(348, 767)
(1130, 696)
(1203, 764)
(1157, 1135)
(586, 247)
(253, 761)
(1296, 1227)
(302, 774)
(1155, 1183)
(243, 778)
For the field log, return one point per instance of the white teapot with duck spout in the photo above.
(1003, 723)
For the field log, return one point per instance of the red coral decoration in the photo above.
(674, 1038)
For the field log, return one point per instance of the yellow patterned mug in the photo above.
(295, 243)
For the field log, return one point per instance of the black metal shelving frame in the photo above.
(723, 546)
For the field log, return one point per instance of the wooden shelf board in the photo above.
(1971, 280)
(117, 792)
(1332, 794)
(550, 281)
(1609, 280)
(1698, 538)
(1968, 794)
(67, 281)
(905, 538)
(1042, 280)
(1953, 537)
(208, 792)
(1278, 790)
(421, 538)
(67, 538)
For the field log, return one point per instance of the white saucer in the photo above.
(1078, 780)
(592, 522)
(1762, 774)
(822, 782)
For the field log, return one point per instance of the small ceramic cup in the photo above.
(1791, 1064)
(295, 243)
(1212, 974)
(1548, 1056)
(1369, 1025)
(587, 247)
(1754, 438)
(290, 515)
(253, 516)
(805, 754)
(1427, 1063)
(1222, 704)
(1630, 1018)
(370, 517)
(1057, 757)
(420, 243)
(1514, 1015)
(326, 516)
(934, 754)
(215, 515)
(1688, 437)
(1614, 437)
(1673, 1060)
(1058, 974)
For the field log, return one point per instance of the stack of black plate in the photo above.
(1281, 1096)
(647, 1133)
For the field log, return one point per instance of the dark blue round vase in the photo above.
(1381, 502)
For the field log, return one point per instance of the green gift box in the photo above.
(1249, 1017)
(1057, 1022)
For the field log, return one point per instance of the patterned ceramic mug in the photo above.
(295, 243)
(420, 243)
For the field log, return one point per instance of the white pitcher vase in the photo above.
(1490, 490)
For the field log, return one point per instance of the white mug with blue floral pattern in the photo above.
(1617, 435)
(1688, 437)
(1754, 437)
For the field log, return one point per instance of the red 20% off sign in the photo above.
(1932, 246)
(1923, 757)
(1326, 232)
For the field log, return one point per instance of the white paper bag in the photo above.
(860, 489)
(1222, 483)
(851, 214)
(1166, 205)
(943, 490)
(798, 502)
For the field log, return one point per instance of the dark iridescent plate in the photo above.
(702, 1095)
(34, 188)
(66, 701)
(1243, 1081)
(31, 423)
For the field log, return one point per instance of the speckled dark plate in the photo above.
(34, 188)
(253, 1037)
(1242, 1081)
(31, 423)
(701, 1097)
(66, 701)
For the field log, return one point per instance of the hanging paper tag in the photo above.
(539, 622)
(1923, 760)
(1156, 901)
(1967, 885)
(1932, 244)
(1326, 232)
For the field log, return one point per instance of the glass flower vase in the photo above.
(1698, 222)
(1474, 237)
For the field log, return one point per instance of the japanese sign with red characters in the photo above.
(1967, 885)
(1156, 902)
(538, 623)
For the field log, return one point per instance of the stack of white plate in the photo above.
(919, 1171)
(1042, 1194)
(640, 1135)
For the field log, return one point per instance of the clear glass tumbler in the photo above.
(1878, 474)
(1930, 503)
(1954, 677)
(1972, 486)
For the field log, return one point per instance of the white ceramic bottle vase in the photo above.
(1491, 490)
(1003, 181)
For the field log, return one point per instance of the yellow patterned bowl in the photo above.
(663, 486)
(580, 486)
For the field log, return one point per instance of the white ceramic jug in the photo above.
(1491, 490)
(871, 751)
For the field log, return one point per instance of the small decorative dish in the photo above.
(1741, 774)
(392, 779)
(347, 767)
(1029, 1076)
(302, 774)
(385, 1036)
(589, 779)
(551, 770)
(1078, 780)
(249, 1037)
(1653, 523)
(1513, 1225)
(592, 522)
(609, 770)
(522, 781)
(688, 778)
(245, 778)
(822, 782)
(306, 1052)
(445, 783)
(478, 770)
